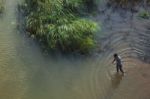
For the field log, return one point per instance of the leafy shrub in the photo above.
(58, 22)
(144, 14)
(72, 36)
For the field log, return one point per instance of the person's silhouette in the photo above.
(117, 59)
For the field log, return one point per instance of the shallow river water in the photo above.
(27, 73)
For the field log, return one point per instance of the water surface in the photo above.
(27, 73)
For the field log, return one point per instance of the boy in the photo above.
(118, 63)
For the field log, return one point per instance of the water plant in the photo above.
(60, 24)
(144, 14)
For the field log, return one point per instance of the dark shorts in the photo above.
(119, 65)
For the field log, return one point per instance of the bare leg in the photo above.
(117, 68)
(121, 69)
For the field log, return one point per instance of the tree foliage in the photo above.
(60, 24)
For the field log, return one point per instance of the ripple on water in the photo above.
(95, 79)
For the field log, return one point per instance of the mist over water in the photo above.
(27, 73)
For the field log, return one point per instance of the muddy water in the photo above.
(27, 73)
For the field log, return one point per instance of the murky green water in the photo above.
(27, 73)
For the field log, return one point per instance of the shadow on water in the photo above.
(116, 80)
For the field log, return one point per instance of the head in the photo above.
(115, 55)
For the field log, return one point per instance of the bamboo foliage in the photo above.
(58, 22)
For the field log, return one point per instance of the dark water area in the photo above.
(26, 72)
(123, 27)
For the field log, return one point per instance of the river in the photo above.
(26, 72)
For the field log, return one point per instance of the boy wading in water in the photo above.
(117, 59)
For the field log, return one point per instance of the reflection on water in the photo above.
(26, 73)
(116, 80)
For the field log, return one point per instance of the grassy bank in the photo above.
(61, 24)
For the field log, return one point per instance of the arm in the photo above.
(114, 60)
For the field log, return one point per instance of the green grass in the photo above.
(60, 24)
(144, 14)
